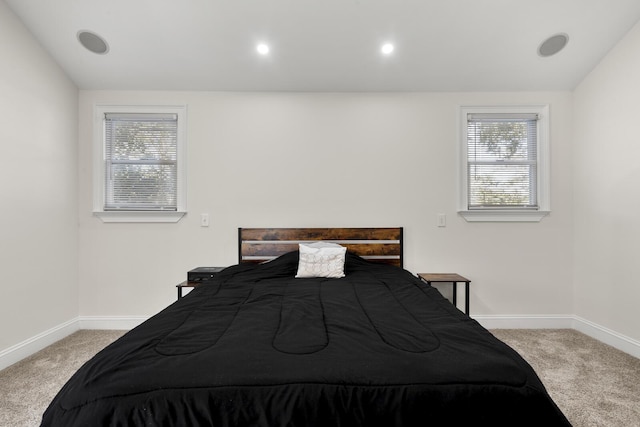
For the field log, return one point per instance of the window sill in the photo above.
(503, 216)
(139, 216)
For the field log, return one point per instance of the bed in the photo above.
(258, 346)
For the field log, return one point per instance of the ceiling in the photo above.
(328, 45)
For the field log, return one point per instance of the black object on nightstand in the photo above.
(203, 273)
(197, 277)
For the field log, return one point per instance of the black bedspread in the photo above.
(257, 347)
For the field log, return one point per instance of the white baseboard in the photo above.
(34, 344)
(26, 348)
(525, 322)
(110, 322)
(598, 332)
(607, 336)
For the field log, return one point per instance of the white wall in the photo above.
(265, 159)
(607, 191)
(38, 191)
(283, 159)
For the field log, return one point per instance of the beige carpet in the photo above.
(594, 384)
(27, 387)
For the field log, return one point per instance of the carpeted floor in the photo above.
(27, 387)
(593, 384)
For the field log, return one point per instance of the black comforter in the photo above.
(257, 347)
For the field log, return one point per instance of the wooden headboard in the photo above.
(374, 244)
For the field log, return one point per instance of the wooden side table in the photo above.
(199, 276)
(187, 284)
(454, 279)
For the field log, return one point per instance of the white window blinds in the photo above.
(141, 161)
(502, 164)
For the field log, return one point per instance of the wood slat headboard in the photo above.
(374, 244)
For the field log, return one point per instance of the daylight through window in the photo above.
(502, 161)
(141, 161)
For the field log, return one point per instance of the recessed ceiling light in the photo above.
(263, 49)
(387, 48)
(93, 42)
(553, 45)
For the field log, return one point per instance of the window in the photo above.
(504, 163)
(139, 164)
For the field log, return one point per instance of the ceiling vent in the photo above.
(93, 42)
(553, 45)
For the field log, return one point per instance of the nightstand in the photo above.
(205, 274)
(453, 278)
(187, 284)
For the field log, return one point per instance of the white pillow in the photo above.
(321, 259)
